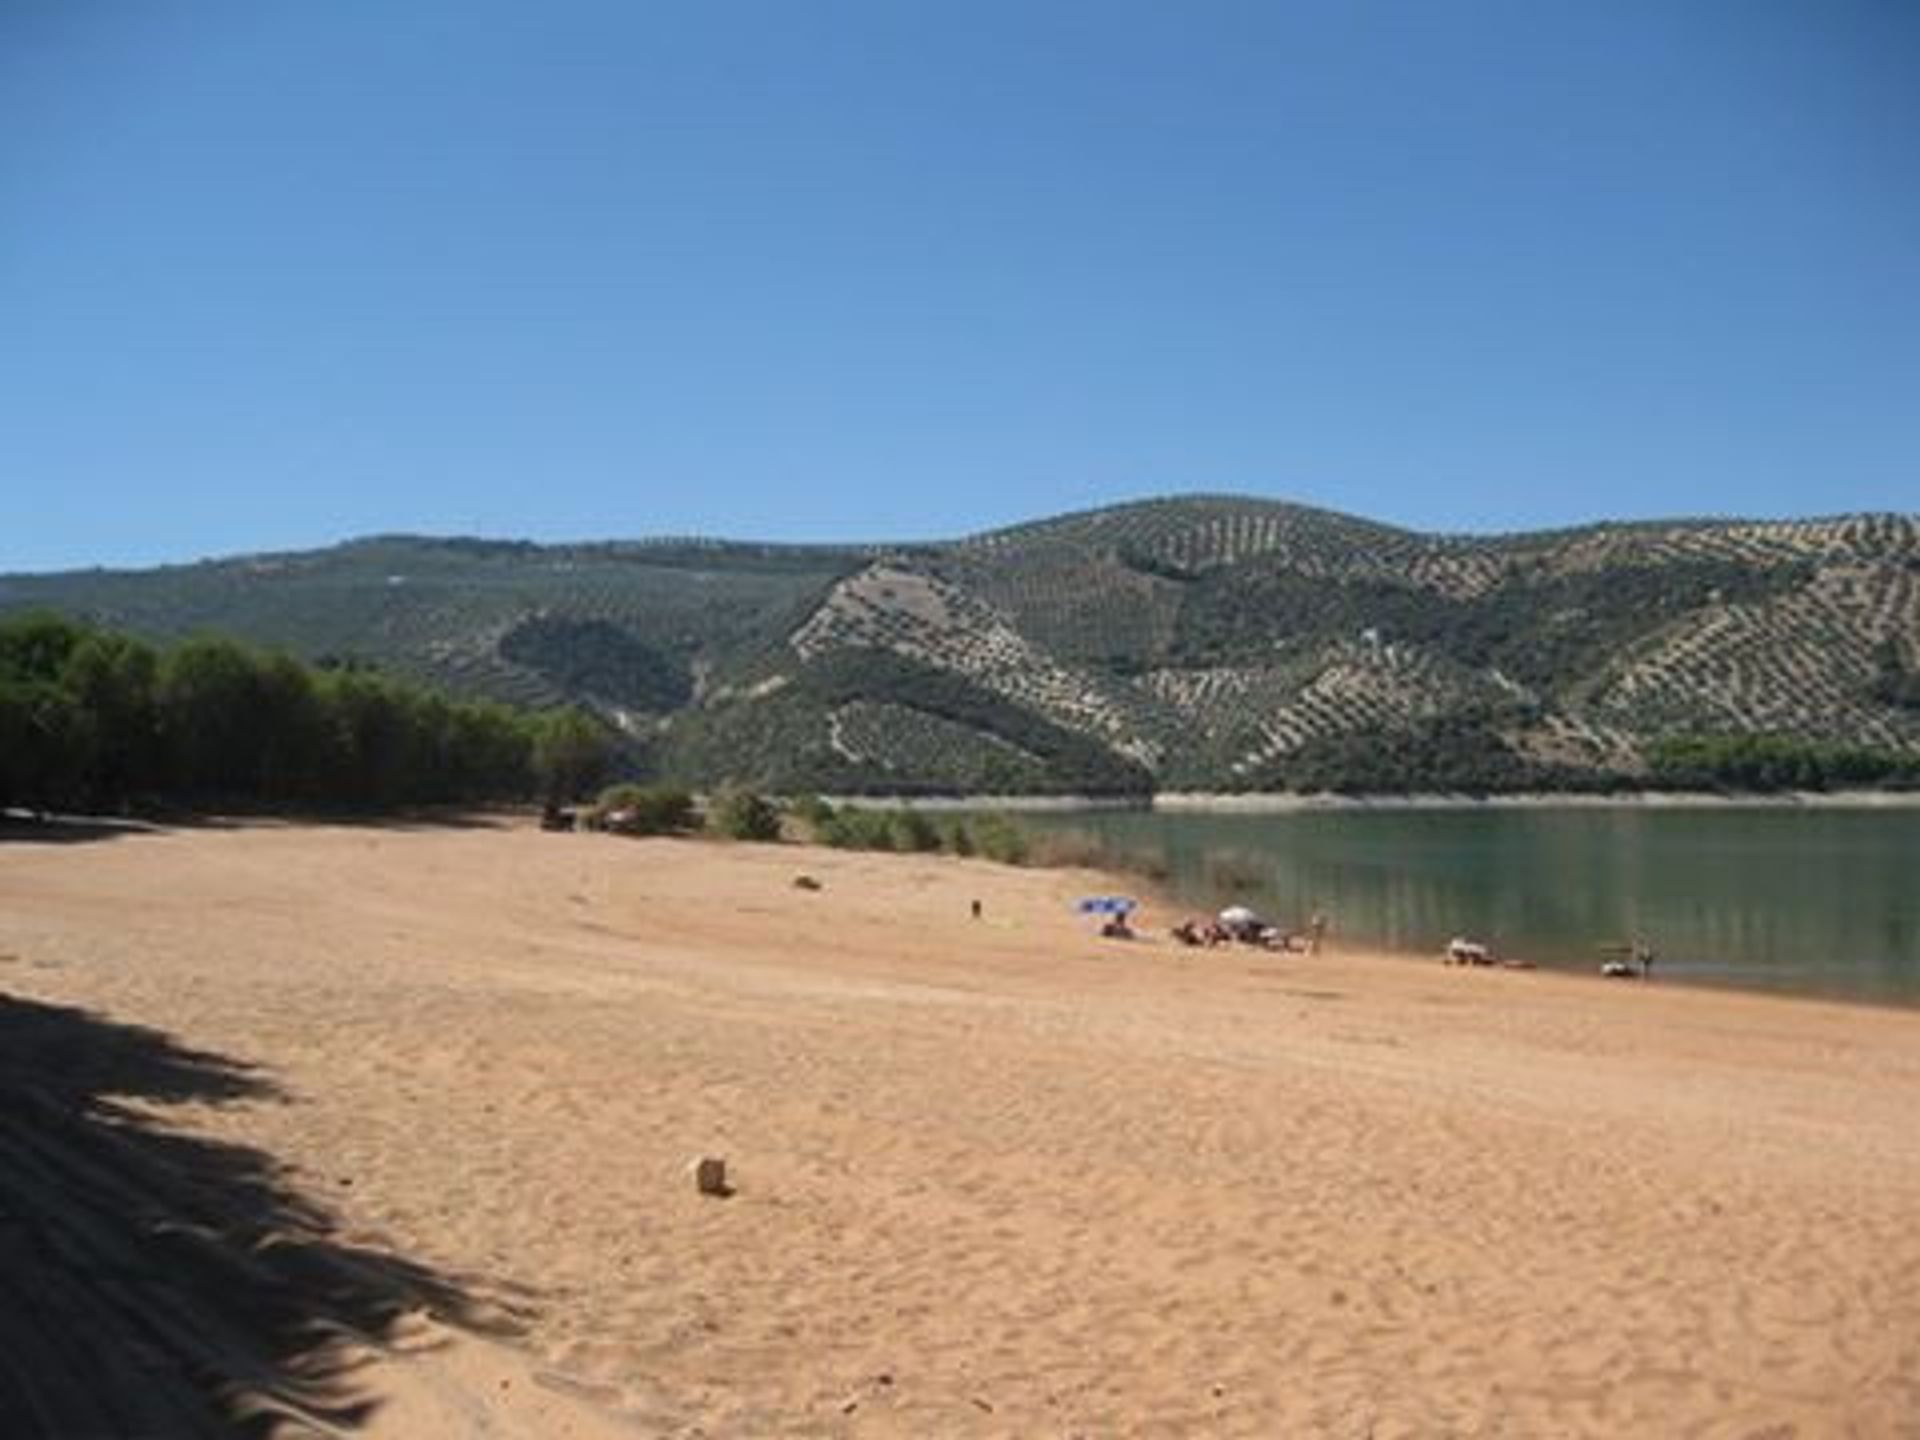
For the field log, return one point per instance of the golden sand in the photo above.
(997, 1176)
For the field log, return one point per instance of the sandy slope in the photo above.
(997, 1177)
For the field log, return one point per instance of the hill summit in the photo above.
(1204, 642)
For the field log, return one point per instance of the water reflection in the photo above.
(1810, 900)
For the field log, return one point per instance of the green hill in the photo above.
(1203, 642)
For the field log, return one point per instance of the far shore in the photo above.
(1271, 803)
(1179, 801)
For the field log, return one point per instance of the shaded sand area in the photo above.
(392, 1127)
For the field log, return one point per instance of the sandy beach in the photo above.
(386, 1129)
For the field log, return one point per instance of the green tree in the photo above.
(46, 746)
(208, 693)
(113, 679)
(491, 752)
(36, 646)
(296, 741)
(367, 745)
(570, 755)
(89, 717)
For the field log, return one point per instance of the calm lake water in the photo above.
(1817, 901)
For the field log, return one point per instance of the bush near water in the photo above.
(853, 827)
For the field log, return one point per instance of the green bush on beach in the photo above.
(644, 810)
(996, 837)
(852, 827)
(811, 811)
(741, 814)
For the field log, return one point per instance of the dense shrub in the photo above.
(993, 836)
(998, 838)
(741, 814)
(812, 812)
(644, 810)
(851, 828)
(912, 831)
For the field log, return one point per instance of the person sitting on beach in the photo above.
(1117, 929)
(1316, 931)
(1187, 932)
(1467, 952)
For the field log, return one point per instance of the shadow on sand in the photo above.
(159, 1284)
(18, 827)
(21, 827)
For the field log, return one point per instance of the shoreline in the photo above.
(1157, 893)
(1201, 802)
(1204, 802)
(1159, 889)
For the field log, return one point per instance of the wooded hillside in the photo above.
(1196, 643)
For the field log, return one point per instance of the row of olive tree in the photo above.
(90, 718)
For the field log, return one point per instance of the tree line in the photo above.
(98, 720)
(1777, 762)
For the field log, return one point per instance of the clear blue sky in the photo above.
(275, 274)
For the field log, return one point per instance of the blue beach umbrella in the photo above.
(1106, 905)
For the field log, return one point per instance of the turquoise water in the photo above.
(1818, 901)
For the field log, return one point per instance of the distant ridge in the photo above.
(1199, 642)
